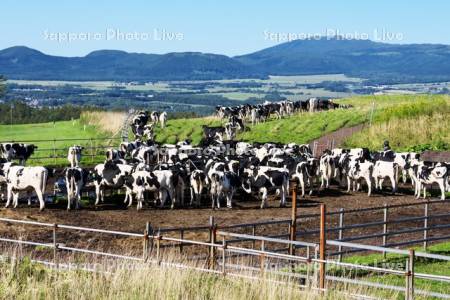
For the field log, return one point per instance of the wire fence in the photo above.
(54, 151)
(313, 270)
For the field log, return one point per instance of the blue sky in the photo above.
(226, 27)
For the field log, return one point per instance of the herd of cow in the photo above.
(218, 167)
(222, 168)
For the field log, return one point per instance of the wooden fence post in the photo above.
(425, 228)
(341, 231)
(55, 247)
(145, 245)
(150, 232)
(293, 227)
(181, 238)
(158, 248)
(409, 289)
(322, 248)
(385, 230)
(212, 240)
(224, 247)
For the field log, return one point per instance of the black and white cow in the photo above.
(263, 179)
(76, 179)
(223, 184)
(110, 174)
(198, 182)
(385, 169)
(22, 152)
(154, 117)
(74, 155)
(163, 119)
(427, 175)
(359, 169)
(138, 183)
(20, 178)
(307, 172)
(326, 168)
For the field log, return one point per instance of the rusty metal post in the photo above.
(181, 238)
(145, 246)
(322, 250)
(293, 227)
(212, 240)
(409, 291)
(224, 248)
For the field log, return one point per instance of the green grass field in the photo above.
(44, 134)
(407, 121)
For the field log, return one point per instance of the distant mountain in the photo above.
(363, 58)
(25, 63)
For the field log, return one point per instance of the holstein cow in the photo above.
(306, 172)
(385, 169)
(223, 184)
(163, 119)
(264, 179)
(109, 174)
(428, 175)
(198, 181)
(358, 170)
(18, 151)
(76, 179)
(326, 168)
(154, 117)
(74, 155)
(21, 178)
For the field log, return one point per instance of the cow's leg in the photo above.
(9, 195)
(171, 193)
(418, 189)
(29, 198)
(199, 194)
(192, 195)
(15, 199)
(348, 184)
(78, 197)
(424, 191)
(284, 191)
(302, 184)
(97, 193)
(442, 188)
(40, 196)
(263, 197)
(369, 186)
(230, 199)
(394, 184)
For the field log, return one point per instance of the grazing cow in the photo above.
(326, 168)
(358, 170)
(264, 179)
(385, 169)
(223, 184)
(198, 181)
(163, 119)
(213, 132)
(427, 175)
(306, 172)
(22, 152)
(74, 155)
(21, 178)
(110, 174)
(154, 117)
(140, 119)
(313, 104)
(76, 179)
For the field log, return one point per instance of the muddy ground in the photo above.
(115, 216)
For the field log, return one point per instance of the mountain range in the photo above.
(380, 62)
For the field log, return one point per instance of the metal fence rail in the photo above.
(218, 263)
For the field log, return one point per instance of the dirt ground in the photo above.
(115, 216)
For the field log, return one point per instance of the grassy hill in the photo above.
(377, 111)
(408, 121)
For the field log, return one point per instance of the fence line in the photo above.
(262, 254)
